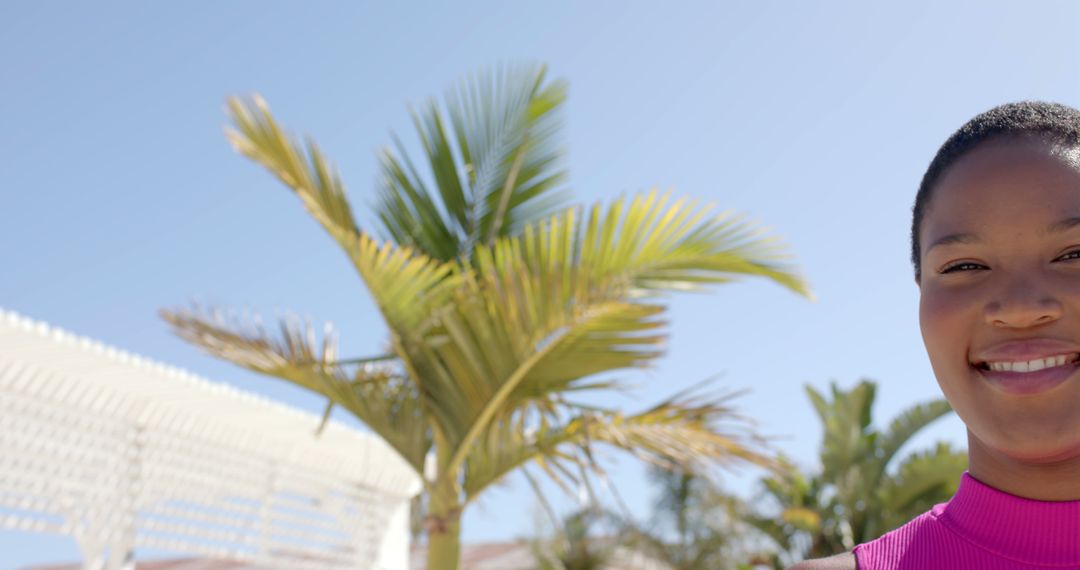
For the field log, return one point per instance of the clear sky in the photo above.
(119, 194)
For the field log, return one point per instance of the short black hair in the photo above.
(1052, 123)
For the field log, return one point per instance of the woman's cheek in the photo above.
(936, 310)
(945, 319)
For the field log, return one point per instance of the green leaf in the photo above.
(256, 135)
(497, 169)
(908, 423)
(374, 391)
(923, 479)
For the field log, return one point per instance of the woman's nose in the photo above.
(1023, 303)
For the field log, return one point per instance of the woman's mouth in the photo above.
(1026, 377)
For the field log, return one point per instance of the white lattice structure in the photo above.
(119, 452)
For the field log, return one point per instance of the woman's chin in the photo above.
(1025, 447)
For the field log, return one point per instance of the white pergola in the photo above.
(119, 452)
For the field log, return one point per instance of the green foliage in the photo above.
(493, 162)
(695, 525)
(581, 542)
(499, 301)
(865, 488)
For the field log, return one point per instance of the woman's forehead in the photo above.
(1013, 185)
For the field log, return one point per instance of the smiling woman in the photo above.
(999, 310)
(999, 281)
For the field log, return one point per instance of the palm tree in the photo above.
(695, 525)
(579, 542)
(865, 488)
(500, 301)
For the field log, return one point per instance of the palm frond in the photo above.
(306, 171)
(924, 478)
(689, 431)
(651, 245)
(510, 443)
(408, 211)
(513, 155)
(294, 355)
(495, 170)
(821, 406)
(848, 437)
(408, 287)
(390, 404)
(401, 280)
(909, 422)
(373, 391)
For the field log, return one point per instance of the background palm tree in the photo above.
(696, 525)
(500, 301)
(865, 488)
(579, 542)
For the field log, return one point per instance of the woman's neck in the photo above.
(1050, 480)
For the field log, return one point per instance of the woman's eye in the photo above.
(1074, 254)
(967, 266)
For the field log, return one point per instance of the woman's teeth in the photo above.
(1031, 365)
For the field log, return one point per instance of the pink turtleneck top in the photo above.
(981, 528)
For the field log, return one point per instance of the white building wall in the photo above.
(394, 552)
(119, 452)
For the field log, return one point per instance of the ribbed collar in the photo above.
(1035, 532)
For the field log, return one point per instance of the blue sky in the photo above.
(120, 196)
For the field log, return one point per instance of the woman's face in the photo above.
(1000, 297)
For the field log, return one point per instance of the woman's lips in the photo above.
(1024, 349)
(1027, 383)
(1025, 366)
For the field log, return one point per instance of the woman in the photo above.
(996, 248)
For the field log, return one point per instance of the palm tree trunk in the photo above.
(444, 530)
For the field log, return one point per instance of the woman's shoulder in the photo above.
(845, 561)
